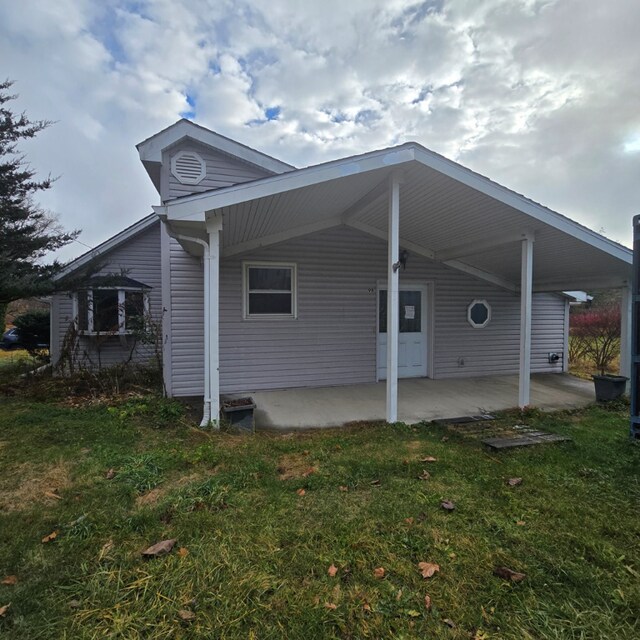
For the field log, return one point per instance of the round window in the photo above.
(479, 313)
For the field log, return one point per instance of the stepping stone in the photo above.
(534, 437)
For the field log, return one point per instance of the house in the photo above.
(265, 276)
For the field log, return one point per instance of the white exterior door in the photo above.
(412, 342)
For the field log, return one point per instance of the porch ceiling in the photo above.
(465, 220)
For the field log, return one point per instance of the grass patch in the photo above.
(256, 552)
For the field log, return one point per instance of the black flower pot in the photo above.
(609, 387)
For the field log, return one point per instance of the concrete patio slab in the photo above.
(418, 399)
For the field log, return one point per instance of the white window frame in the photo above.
(246, 292)
(472, 304)
(122, 328)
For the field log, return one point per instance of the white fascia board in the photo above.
(520, 203)
(192, 206)
(150, 150)
(107, 245)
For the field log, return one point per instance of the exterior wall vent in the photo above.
(188, 167)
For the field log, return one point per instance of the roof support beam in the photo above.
(625, 332)
(577, 284)
(473, 248)
(281, 236)
(368, 198)
(393, 286)
(526, 298)
(383, 235)
(483, 275)
(211, 322)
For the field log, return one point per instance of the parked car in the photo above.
(11, 340)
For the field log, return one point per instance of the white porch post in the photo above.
(393, 319)
(625, 332)
(526, 292)
(212, 304)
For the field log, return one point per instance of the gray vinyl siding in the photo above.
(222, 171)
(187, 322)
(333, 339)
(140, 258)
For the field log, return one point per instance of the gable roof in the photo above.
(107, 245)
(191, 205)
(150, 150)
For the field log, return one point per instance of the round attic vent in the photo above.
(188, 167)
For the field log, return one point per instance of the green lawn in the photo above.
(252, 555)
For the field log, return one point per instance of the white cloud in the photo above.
(540, 95)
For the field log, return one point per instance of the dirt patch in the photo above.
(33, 485)
(155, 495)
(413, 446)
(295, 465)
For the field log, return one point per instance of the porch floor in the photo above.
(418, 399)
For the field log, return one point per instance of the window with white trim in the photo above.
(111, 310)
(479, 313)
(269, 290)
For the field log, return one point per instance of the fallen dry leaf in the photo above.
(159, 548)
(429, 459)
(509, 574)
(332, 570)
(413, 613)
(106, 547)
(427, 602)
(343, 488)
(110, 474)
(10, 580)
(379, 573)
(75, 604)
(52, 536)
(4, 609)
(447, 505)
(305, 452)
(183, 552)
(425, 475)
(514, 482)
(520, 523)
(301, 492)
(308, 472)
(375, 483)
(450, 623)
(409, 520)
(186, 615)
(428, 569)
(330, 605)
(52, 494)
(367, 607)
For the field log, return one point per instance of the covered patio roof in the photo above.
(447, 213)
(413, 199)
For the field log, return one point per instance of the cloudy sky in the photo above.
(542, 96)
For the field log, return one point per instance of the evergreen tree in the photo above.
(27, 232)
